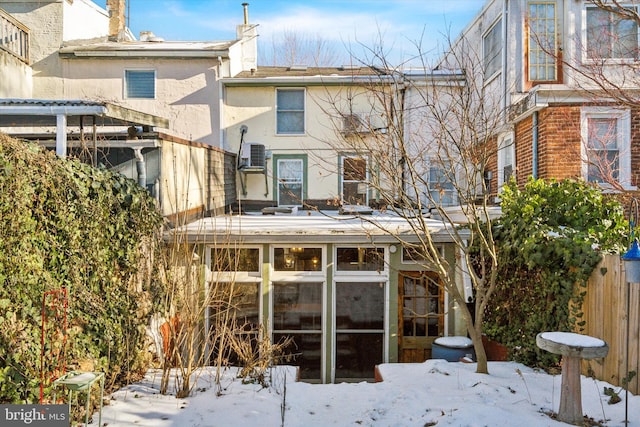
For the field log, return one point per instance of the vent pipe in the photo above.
(246, 13)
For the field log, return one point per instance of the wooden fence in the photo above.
(605, 313)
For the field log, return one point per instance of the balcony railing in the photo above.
(14, 37)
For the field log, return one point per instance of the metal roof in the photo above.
(43, 112)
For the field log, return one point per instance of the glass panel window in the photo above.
(360, 312)
(506, 159)
(492, 49)
(140, 84)
(231, 259)
(410, 254)
(440, 186)
(290, 111)
(422, 306)
(290, 182)
(354, 180)
(297, 259)
(243, 316)
(610, 35)
(360, 259)
(603, 152)
(297, 313)
(606, 147)
(542, 41)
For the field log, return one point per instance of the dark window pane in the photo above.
(357, 354)
(241, 259)
(360, 259)
(305, 352)
(360, 305)
(297, 306)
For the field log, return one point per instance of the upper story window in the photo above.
(606, 135)
(610, 35)
(492, 49)
(140, 84)
(440, 185)
(542, 42)
(354, 177)
(290, 111)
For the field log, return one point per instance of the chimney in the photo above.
(116, 9)
(247, 35)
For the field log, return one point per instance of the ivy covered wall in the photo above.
(64, 224)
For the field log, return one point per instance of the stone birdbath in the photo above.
(573, 347)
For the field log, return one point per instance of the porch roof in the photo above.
(308, 227)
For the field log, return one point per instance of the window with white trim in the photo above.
(506, 159)
(610, 35)
(140, 84)
(606, 137)
(440, 185)
(290, 106)
(492, 49)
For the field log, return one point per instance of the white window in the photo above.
(610, 36)
(290, 111)
(506, 159)
(290, 182)
(606, 135)
(440, 187)
(492, 49)
(140, 84)
(542, 41)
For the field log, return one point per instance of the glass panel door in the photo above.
(290, 180)
(360, 309)
(421, 316)
(354, 181)
(297, 313)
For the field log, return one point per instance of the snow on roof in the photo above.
(307, 226)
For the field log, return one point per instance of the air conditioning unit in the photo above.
(354, 123)
(252, 155)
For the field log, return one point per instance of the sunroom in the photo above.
(343, 287)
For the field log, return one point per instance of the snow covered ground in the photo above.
(432, 393)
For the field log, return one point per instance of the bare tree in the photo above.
(291, 47)
(428, 138)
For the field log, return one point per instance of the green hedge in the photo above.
(550, 237)
(64, 224)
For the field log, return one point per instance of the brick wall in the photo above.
(559, 144)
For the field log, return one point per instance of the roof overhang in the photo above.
(309, 227)
(321, 80)
(35, 112)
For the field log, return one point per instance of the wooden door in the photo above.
(421, 314)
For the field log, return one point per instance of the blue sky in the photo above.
(345, 22)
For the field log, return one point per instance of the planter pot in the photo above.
(496, 352)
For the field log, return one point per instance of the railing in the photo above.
(14, 37)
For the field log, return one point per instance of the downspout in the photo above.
(505, 20)
(141, 167)
(534, 146)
